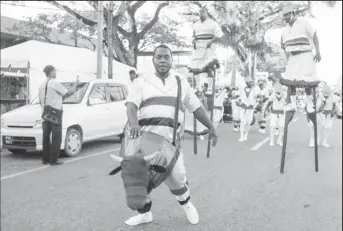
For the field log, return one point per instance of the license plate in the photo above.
(8, 140)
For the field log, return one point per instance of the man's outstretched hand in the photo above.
(317, 57)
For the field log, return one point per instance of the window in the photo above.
(97, 95)
(115, 93)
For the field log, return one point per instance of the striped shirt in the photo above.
(207, 30)
(156, 102)
(299, 37)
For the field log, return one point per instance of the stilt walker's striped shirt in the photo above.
(299, 37)
(156, 103)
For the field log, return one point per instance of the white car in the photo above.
(339, 109)
(95, 111)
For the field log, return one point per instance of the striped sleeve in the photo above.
(310, 31)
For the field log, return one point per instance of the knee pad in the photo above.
(146, 208)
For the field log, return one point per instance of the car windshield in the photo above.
(74, 98)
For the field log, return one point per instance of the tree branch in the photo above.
(73, 13)
(153, 20)
(136, 6)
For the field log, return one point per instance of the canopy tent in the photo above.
(68, 61)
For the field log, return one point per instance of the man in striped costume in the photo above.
(247, 102)
(277, 101)
(297, 40)
(326, 109)
(205, 33)
(153, 99)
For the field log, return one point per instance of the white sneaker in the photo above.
(191, 212)
(271, 143)
(241, 139)
(201, 137)
(325, 144)
(263, 131)
(276, 133)
(236, 129)
(140, 219)
(311, 144)
(279, 142)
(245, 138)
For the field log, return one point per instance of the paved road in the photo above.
(235, 189)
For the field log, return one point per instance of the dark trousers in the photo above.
(51, 150)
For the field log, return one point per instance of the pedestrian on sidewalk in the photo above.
(51, 93)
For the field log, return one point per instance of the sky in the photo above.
(328, 23)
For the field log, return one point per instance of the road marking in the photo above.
(68, 161)
(260, 144)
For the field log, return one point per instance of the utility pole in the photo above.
(100, 39)
(110, 43)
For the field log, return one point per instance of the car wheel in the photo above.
(73, 142)
(17, 151)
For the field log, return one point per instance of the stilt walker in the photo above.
(297, 40)
(204, 60)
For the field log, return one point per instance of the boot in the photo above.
(272, 132)
(326, 134)
(241, 138)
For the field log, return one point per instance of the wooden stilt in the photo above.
(213, 94)
(315, 130)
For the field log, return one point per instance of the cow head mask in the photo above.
(135, 173)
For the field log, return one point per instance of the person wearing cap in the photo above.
(247, 102)
(298, 39)
(277, 102)
(55, 94)
(326, 108)
(263, 97)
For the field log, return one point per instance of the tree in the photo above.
(41, 28)
(128, 34)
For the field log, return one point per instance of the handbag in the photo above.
(51, 114)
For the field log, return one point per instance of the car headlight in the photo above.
(38, 124)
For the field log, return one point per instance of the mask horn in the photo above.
(117, 158)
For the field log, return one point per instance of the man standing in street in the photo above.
(52, 93)
(150, 100)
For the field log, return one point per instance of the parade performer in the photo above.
(326, 109)
(297, 40)
(235, 105)
(277, 102)
(204, 59)
(262, 99)
(151, 99)
(247, 102)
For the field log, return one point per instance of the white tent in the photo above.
(68, 61)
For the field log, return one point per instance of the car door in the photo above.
(117, 97)
(97, 112)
